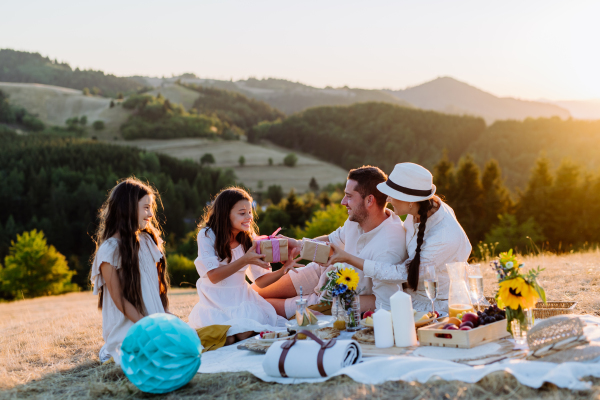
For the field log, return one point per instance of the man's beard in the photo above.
(359, 214)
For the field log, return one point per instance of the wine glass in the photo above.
(430, 281)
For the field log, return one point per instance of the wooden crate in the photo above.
(434, 335)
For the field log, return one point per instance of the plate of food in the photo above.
(421, 318)
(270, 336)
(308, 321)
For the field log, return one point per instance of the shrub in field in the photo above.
(290, 160)
(98, 125)
(32, 268)
(324, 221)
(181, 270)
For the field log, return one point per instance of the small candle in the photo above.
(403, 319)
(382, 324)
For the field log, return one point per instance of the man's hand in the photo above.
(337, 255)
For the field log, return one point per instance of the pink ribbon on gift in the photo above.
(274, 243)
(318, 242)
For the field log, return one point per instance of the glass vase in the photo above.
(347, 310)
(519, 326)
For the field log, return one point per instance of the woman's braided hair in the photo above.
(413, 267)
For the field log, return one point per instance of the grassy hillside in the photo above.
(257, 166)
(24, 67)
(176, 94)
(289, 97)
(54, 105)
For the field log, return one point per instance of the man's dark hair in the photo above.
(368, 178)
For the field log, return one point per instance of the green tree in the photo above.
(496, 199)
(313, 185)
(86, 91)
(468, 199)
(324, 221)
(242, 161)
(119, 96)
(270, 162)
(98, 125)
(536, 201)
(566, 194)
(443, 178)
(83, 120)
(32, 268)
(112, 104)
(290, 160)
(275, 194)
(207, 158)
(509, 234)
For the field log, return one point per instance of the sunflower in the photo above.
(517, 292)
(348, 277)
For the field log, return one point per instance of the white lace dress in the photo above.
(231, 301)
(114, 323)
(444, 242)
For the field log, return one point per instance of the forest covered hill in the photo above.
(384, 134)
(24, 67)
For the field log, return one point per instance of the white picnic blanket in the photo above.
(376, 370)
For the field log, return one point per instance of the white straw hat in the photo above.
(408, 182)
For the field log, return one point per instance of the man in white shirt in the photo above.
(371, 232)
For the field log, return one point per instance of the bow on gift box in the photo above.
(274, 243)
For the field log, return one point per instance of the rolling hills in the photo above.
(451, 96)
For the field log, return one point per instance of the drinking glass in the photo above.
(475, 282)
(430, 281)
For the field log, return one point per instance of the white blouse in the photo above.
(114, 323)
(444, 242)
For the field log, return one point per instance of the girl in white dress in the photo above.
(433, 237)
(128, 263)
(225, 255)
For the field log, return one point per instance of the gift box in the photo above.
(275, 249)
(315, 250)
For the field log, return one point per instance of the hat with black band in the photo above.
(409, 182)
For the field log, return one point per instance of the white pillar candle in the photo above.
(403, 319)
(382, 324)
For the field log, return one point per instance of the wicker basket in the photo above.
(550, 309)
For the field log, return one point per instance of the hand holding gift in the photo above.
(315, 250)
(274, 248)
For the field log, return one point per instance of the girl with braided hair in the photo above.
(433, 237)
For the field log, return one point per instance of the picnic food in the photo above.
(268, 335)
(455, 309)
(455, 321)
(306, 318)
(491, 315)
(367, 314)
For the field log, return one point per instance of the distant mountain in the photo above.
(580, 109)
(24, 67)
(289, 97)
(451, 96)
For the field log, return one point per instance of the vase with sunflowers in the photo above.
(518, 293)
(341, 292)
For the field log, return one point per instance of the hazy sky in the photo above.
(525, 49)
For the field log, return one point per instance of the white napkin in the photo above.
(301, 360)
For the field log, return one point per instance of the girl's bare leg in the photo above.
(279, 305)
(282, 289)
(230, 340)
(243, 336)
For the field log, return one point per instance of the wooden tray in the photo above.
(434, 335)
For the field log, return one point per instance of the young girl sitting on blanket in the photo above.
(128, 263)
(225, 255)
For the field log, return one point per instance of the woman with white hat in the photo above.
(433, 237)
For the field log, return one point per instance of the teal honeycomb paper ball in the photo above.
(160, 353)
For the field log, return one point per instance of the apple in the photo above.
(471, 317)
(452, 327)
(466, 328)
(368, 314)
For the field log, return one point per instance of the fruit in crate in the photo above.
(471, 317)
(306, 318)
(454, 320)
(468, 324)
(491, 315)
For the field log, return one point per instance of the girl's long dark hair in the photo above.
(216, 217)
(119, 214)
(413, 267)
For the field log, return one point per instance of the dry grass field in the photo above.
(49, 350)
(176, 94)
(257, 167)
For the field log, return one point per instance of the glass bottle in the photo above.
(459, 299)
